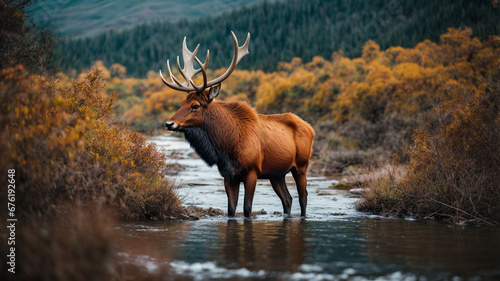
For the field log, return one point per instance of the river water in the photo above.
(334, 242)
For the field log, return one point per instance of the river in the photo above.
(334, 242)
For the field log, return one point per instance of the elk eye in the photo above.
(195, 106)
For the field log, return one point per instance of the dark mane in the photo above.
(201, 143)
(217, 140)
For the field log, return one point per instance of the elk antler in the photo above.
(189, 72)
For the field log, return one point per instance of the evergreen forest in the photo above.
(281, 31)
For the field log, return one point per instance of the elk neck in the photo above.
(225, 128)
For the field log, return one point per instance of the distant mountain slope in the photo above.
(89, 17)
(283, 30)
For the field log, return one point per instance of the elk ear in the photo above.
(214, 92)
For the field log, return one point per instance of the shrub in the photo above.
(76, 172)
(455, 163)
(65, 150)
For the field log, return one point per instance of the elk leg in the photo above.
(250, 182)
(279, 186)
(232, 191)
(299, 175)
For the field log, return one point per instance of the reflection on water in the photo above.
(294, 249)
(334, 243)
(272, 246)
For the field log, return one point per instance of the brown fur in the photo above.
(246, 146)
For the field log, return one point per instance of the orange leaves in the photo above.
(105, 74)
(371, 51)
(156, 102)
(118, 70)
(59, 139)
(344, 68)
(163, 101)
(402, 81)
(458, 45)
(413, 79)
(380, 74)
(87, 98)
(123, 155)
(318, 63)
(269, 92)
(304, 78)
(458, 149)
(290, 66)
(427, 54)
(408, 72)
(455, 158)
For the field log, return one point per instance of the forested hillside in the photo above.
(82, 18)
(283, 30)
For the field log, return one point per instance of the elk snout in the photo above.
(171, 126)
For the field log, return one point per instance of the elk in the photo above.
(244, 145)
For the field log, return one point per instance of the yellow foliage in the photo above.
(58, 139)
(159, 101)
(398, 80)
(270, 92)
(371, 51)
(290, 66)
(106, 75)
(135, 113)
(380, 74)
(238, 97)
(118, 70)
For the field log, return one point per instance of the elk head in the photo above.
(190, 114)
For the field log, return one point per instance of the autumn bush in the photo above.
(65, 150)
(76, 174)
(454, 171)
(454, 161)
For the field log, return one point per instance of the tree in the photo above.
(22, 42)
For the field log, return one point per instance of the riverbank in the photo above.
(334, 242)
(453, 172)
